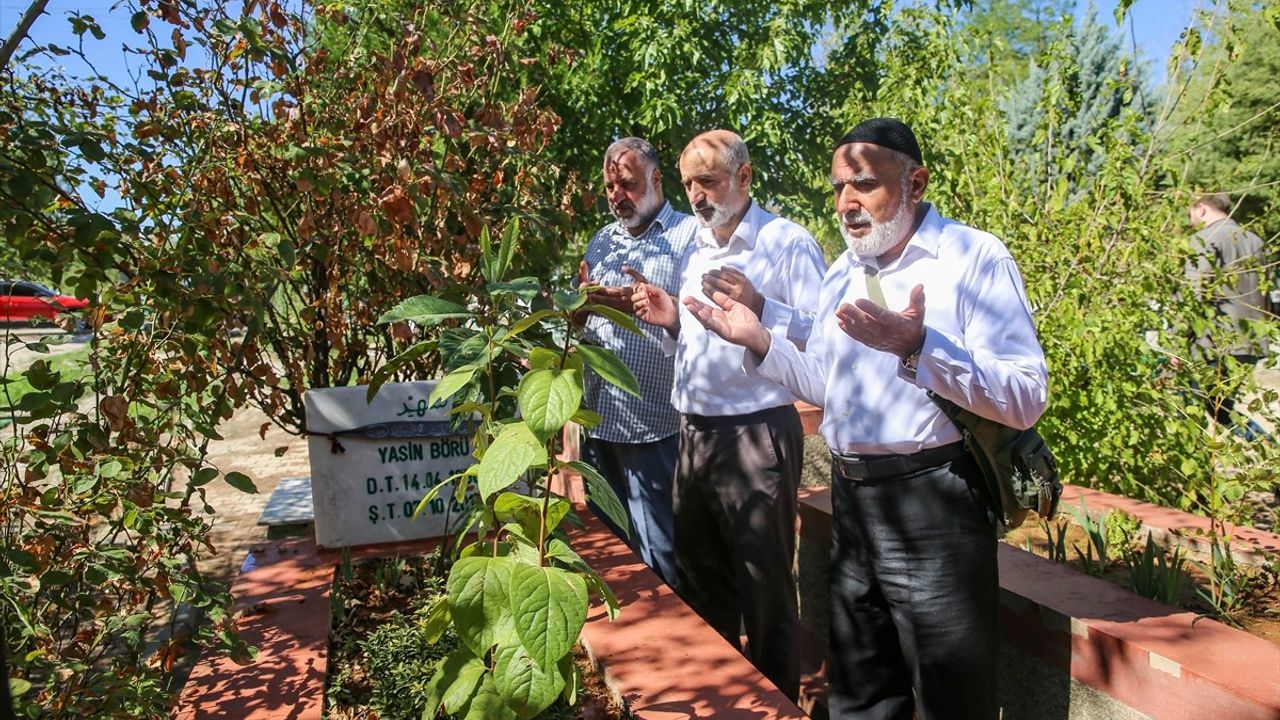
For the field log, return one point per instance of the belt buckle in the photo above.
(850, 469)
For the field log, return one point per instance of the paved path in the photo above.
(235, 525)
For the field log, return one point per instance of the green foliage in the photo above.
(1154, 575)
(773, 72)
(1096, 531)
(1057, 539)
(1228, 582)
(1081, 83)
(517, 595)
(1227, 128)
(1121, 529)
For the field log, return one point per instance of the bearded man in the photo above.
(634, 446)
(741, 442)
(913, 553)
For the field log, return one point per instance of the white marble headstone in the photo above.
(372, 462)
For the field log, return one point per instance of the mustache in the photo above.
(862, 216)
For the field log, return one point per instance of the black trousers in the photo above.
(735, 533)
(913, 597)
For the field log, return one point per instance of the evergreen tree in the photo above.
(1053, 125)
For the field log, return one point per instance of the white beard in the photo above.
(720, 214)
(644, 211)
(881, 236)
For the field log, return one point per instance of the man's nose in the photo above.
(847, 200)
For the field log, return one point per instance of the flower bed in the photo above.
(658, 657)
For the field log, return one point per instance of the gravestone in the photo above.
(373, 462)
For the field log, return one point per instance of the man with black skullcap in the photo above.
(913, 556)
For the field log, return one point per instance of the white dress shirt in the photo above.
(785, 265)
(980, 348)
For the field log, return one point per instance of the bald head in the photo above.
(722, 147)
(716, 173)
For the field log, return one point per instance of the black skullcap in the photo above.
(891, 133)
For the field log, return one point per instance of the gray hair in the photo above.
(648, 154)
(734, 154)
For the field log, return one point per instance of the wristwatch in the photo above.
(912, 361)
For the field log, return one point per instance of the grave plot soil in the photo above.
(379, 663)
(1260, 614)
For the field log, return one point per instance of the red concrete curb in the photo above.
(1159, 660)
(1169, 526)
(659, 656)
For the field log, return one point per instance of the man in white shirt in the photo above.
(913, 556)
(741, 443)
(634, 446)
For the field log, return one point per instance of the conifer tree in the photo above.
(1085, 80)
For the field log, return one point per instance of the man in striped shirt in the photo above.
(634, 446)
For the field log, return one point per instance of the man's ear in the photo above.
(744, 175)
(919, 181)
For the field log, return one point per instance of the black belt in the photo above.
(869, 467)
(718, 422)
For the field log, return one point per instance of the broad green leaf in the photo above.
(568, 301)
(487, 704)
(525, 687)
(600, 493)
(527, 512)
(18, 687)
(587, 418)
(480, 601)
(55, 578)
(520, 509)
(438, 619)
(204, 476)
(608, 366)
(527, 322)
(457, 679)
(550, 607)
(424, 310)
(514, 451)
(241, 482)
(548, 398)
(617, 316)
(451, 383)
(569, 671)
(543, 358)
(525, 288)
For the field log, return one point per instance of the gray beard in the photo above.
(881, 237)
(646, 210)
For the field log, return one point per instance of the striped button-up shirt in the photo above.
(656, 254)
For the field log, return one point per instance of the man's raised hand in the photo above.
(652, 304)
(731, 282)
(900, 333)
(618, 298)
(732, 320)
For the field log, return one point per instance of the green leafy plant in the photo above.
(1154, 575)
(1121, 529)
(517, 594)
(1057, 540)
(1228, 582)
(1093, 564)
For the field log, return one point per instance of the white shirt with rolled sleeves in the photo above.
(980, 348)
(785, 265)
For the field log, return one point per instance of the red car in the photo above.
(23, 301)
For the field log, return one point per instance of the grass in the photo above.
(73, 365)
